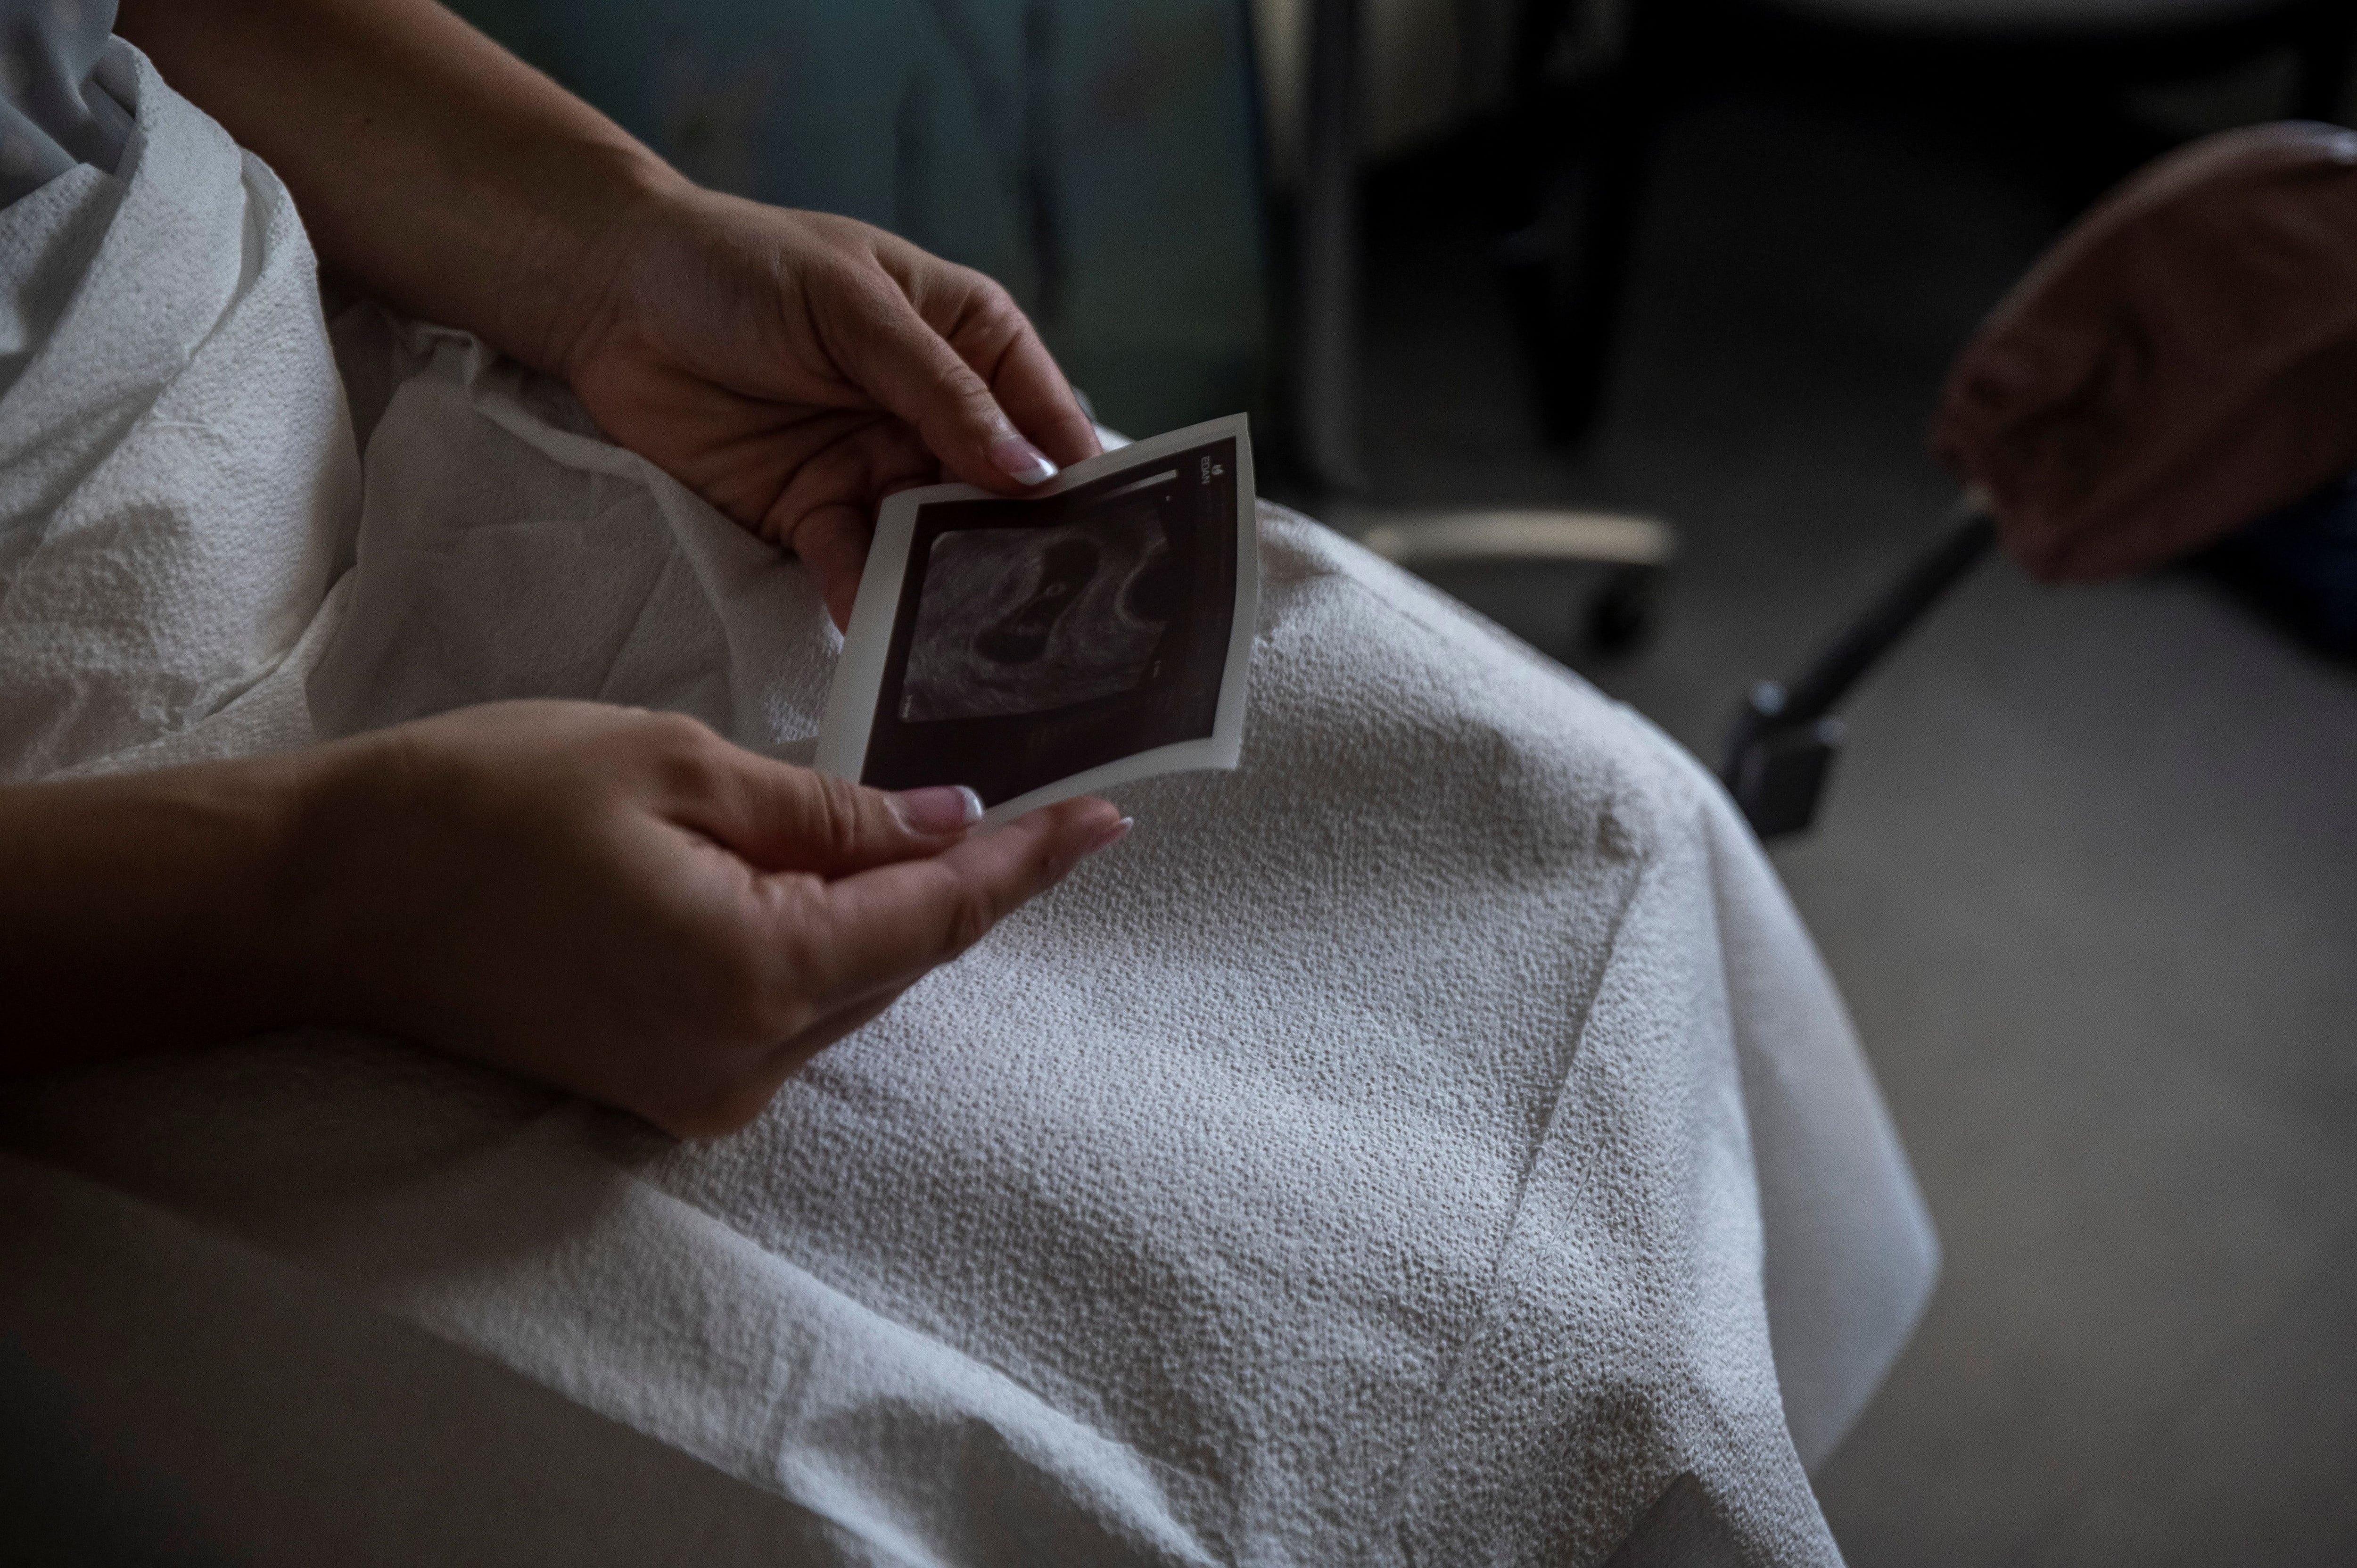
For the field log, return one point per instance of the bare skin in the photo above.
(618, 902)
(615, 902)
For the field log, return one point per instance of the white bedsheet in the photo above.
(1423, 1144)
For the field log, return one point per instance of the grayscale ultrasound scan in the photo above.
(1023, 620)
(1023, 645)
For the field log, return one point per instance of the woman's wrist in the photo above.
(365, 877)
(567, 273)
(574, 270)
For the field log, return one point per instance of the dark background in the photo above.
(2087, 873)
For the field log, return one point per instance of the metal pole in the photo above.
(1326, 383)
(1927, 580)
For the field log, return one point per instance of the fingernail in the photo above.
(942, 808)
(1021, 461)
(1113, 834)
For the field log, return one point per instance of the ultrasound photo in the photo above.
(1035, 647)
(1019, 621)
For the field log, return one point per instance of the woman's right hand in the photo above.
(617, 902)
(626, 905)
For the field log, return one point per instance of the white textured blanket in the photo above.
(1425, 1144)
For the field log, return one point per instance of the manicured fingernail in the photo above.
(1113, 834)
(1021, 461)
(942, 808)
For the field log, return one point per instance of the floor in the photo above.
(2087, 872)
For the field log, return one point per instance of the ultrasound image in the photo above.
(1015, 621)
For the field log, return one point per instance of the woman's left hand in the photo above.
(791, 368)
(795, 368)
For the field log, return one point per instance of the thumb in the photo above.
(779, 817)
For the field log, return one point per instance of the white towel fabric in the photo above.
(177, 473)
(1423, 1144)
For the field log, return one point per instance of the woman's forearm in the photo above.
(430, 166)
(618, 902)
(145, 910)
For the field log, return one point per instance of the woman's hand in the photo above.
(625, 904)
(618, 902)
(794, 369)
(789, 366)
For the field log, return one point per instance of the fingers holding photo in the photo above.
(958, 358)
(883, 929)
(838, 954)
(778, 817)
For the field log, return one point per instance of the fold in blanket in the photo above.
(1430, 1143)
(178, 481)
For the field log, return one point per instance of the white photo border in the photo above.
(859, 675)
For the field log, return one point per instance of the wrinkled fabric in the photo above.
(2182, 362)
(178, 481)
(1433, 1142)
(65, 92)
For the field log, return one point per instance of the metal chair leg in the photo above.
(1783, 746)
